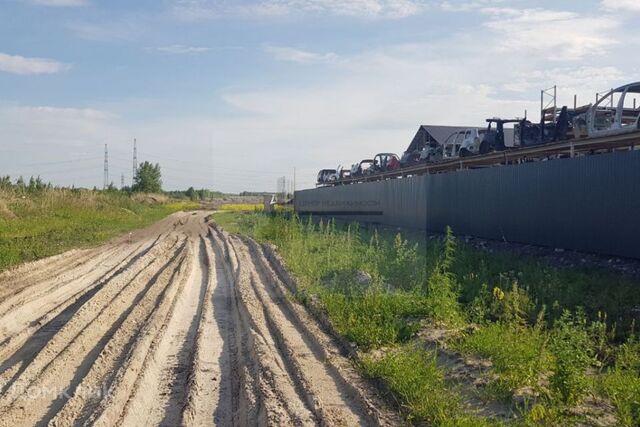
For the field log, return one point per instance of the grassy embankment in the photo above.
(37, 224)
(228, 214)
(555, 357)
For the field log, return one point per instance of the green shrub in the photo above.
(513, 306)
(518, 354)
(479, 309)
(628, 355)
(413, 377)
(442, 299)
(622, 383)
(403, 267)
(442, 288)
(375, 317)
(602, 336)
(622, 388)
(572, 350)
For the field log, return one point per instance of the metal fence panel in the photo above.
(588, 203)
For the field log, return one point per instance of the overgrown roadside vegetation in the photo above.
(41, 221)
(555, 346)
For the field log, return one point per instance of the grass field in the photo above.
(38, 224)
(560, 343)
(242, 207)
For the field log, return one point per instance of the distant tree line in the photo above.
(255, 193)
(33, 185)
(148, 179)
(193, 194)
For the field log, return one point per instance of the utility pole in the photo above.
(106, 168)
(294, 182)
(135, 162)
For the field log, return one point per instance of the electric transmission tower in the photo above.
(121, 181)
(135, 162)
(106, 168)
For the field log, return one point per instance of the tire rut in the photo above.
(319, 384)
(28, 345)
(205, 393)
(113, 349)
(58, 368)
(161, 390)
(16, 280)
(181, 324)
(86, 284)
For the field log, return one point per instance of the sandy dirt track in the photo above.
(176, 324)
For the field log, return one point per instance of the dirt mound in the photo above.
(150, 198)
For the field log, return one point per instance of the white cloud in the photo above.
(557, 35)
(178, 49)
(17, 64)
(357, 8)
(632, 5)
(124, 29)
(569, 80)
(290, 54)
(195, 10)
(56, 124)
(466, 5)
(60, 3)
(55, 136)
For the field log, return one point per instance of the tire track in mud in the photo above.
(319, 383)
(22, 304)
(66, 291)
(262, 392)
(67, 356)
(160, 390)
(31, 340)
(118, 370)
(14, 281)
(22, 277)
(325, 346)
(208, 396)
(179, 325)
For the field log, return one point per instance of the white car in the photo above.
(463, 143)
(323, 176)
(335, 175)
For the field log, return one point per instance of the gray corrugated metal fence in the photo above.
(589, 203)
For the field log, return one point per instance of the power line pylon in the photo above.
(106, 168)
(135, 162)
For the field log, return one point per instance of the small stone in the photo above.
(363, 278)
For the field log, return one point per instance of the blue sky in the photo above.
(233, 94)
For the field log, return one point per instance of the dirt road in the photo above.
(177, 324)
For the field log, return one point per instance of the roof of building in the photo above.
(441, 133)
